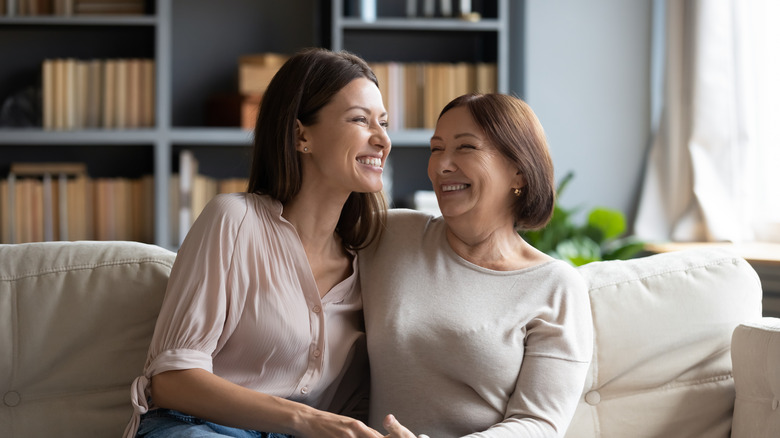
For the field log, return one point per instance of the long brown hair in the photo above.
(513, 128)
(302, 86)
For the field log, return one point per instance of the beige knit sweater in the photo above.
(460, 350)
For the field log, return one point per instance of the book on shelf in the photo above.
(93, 94)
(188, 169)
(108, 93)
(109, 7)
(190, 191)
(415, 93)
(72, 7)
(390, 77)
(48, 99)
(59, 201)
(63, 7)
(121, 93)
(147, 92)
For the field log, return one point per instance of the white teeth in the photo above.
(371, 161)
(452, 187)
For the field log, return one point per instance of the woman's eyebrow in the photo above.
(464, 134)
(365, 110)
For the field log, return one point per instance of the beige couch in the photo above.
(76, 318)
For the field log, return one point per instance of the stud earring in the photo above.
(306, 149)
(518, 192)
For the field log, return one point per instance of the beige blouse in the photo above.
(242, 303)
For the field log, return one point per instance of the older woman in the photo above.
(472, 331)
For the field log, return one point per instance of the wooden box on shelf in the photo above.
(250, 105)
(256, 71)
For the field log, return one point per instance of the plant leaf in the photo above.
(564, 182)
(579, 250)
(611, 222)
(623, 249)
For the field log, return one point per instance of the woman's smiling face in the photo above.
(348, 144)
(471, 178)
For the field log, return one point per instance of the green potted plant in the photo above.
(599, 238)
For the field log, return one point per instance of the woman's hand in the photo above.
(396, 429)
(205, 395)
(320, 424)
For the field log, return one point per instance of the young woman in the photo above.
(472, 331)
(262, 315)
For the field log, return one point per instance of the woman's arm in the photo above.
(202, 394)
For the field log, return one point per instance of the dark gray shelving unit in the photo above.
(196, 45)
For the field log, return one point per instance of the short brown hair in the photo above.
(302, 86)
(516, 132)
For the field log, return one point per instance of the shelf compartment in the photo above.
(32, 44)
(203, 66)
(102, 159)
(422, 45)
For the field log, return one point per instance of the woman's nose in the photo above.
(380, 137)
(442, 163)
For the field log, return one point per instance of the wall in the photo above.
(587, 76)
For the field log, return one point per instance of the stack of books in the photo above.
(58, 201)
(72, 7)
(415, 93)
(191, 190)
(254, 74)
(108, 93)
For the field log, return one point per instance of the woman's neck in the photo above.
(315, 218)
(499, 249)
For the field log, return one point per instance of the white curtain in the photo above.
(713, 170)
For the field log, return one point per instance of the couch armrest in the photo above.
(755, 355)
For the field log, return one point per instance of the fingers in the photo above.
(395, 429)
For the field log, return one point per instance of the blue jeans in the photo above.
(167, 423)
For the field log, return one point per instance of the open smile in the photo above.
(370, 161)
(454, 187)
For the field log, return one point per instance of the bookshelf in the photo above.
(195, 57)
(395, 37)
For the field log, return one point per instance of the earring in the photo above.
(518, 192)
(305, 149)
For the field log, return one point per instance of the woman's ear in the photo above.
(300, 137)
(519, 180)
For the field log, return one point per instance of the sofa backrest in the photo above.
(76, 319)
(662, 325)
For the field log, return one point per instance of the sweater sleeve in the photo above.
(558, 348)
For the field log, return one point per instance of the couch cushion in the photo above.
(76, 319)
(662, 331)
(755, 353)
